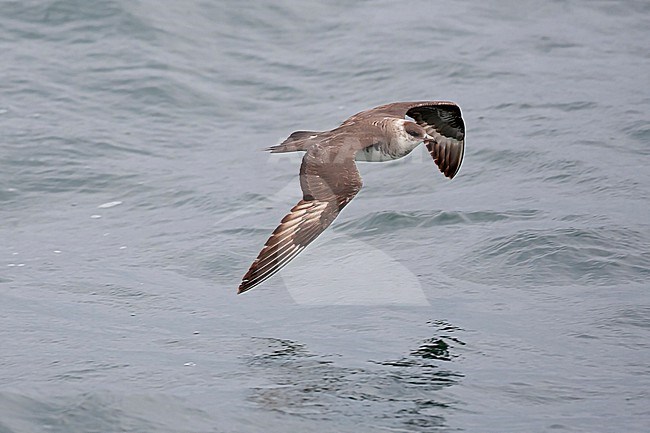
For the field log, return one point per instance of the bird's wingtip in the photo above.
(244, 287)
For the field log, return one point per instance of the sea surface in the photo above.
(134, 195)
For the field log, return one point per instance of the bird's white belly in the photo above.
(379, 153)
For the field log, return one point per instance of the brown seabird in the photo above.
(329, 177)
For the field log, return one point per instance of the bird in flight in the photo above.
(329, 178)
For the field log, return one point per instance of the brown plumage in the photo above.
(329, 177)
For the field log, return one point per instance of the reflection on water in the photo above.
(440, 347)
(402, 393)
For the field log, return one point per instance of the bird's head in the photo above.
(415, 133)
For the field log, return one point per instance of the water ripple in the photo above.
(394, 220)
(599, 256)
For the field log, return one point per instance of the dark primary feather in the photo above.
(445, 124)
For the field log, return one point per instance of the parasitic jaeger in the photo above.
(329, 177)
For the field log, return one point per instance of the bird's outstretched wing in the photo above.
(329, 180)
(441, 119)
(445, 124)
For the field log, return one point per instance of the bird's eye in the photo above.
(413, 133)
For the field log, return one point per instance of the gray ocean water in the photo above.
(134, 196)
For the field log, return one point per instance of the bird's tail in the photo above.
(297, 141)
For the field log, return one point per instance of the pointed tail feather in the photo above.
(297, 142)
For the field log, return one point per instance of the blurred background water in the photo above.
(134, 197)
